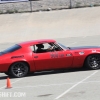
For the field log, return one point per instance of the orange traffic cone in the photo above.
(8, 83)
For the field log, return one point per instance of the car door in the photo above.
(42, 60)
(62, 59)
(52, 59)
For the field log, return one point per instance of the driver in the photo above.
(40, 48)
(51, 48)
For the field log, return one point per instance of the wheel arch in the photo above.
(22, 62)
(88, 56)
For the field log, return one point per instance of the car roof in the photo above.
(32, 42)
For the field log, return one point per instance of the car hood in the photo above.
(83, 47)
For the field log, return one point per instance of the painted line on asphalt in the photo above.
(72, 43)
(91, 82)
(43, 85)
(11, 83)
(37, 86)
(75, 85)
(76, 41)
(84, 36)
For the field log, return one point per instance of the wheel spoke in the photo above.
(94, 62)
(19, 69)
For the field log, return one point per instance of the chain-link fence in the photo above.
(45, 5)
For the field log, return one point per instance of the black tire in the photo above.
(19, 69)
(93, 62)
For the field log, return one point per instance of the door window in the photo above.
(45, 47)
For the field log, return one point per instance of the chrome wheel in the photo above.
(19, 69)
(93, 61)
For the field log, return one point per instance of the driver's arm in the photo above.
(50, 48)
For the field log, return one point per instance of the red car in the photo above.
(39, 55)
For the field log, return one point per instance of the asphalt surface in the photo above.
(57, 85)
(53, 24)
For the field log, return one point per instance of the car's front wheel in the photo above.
(19, 69)
(93, 62)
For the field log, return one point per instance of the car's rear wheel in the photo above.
(19, 69)
(93, 62)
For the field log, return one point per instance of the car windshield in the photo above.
(63, 46)
(11, 49)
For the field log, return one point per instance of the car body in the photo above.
(23, 58)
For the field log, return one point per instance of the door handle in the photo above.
(35, 56)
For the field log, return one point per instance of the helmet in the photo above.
(40, 45)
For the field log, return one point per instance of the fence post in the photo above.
(70, 4)
(31, 5)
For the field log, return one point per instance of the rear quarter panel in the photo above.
(5, 62)
(24, 54)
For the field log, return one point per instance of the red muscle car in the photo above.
(39, 55)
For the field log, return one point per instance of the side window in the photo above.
(45, 47)
(57, 47)
(32, 48)
(41, 48)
